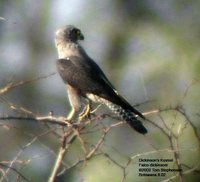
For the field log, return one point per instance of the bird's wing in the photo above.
(120, 99)
(87, 77)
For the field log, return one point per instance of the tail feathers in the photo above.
(123, 114)
(129, 117)
(138, 126)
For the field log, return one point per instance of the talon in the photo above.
(85, 113)
(94, 110)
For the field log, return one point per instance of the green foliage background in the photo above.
(149, 49)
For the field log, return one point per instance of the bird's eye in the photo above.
(78, 33)
(75, 32)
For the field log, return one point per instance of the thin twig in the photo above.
(67, 139)
(11, 85)
(15, 170)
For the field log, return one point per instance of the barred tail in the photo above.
(128, 116)
(123, 114)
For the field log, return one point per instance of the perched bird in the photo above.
(85, 79)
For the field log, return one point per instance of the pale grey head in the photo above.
(66, 41)
(68, 33)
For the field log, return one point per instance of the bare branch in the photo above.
(13, 169)
(69, 131)
(11, 85)
(67, 139)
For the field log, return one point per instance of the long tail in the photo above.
(127, 116)
(123, 114)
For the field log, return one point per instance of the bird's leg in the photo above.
(75, 101)
(71, 114)
(86, 111)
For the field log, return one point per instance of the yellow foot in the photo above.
(85, 113)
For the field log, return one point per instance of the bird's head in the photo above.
(68, 33)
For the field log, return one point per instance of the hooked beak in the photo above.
(81, 37)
